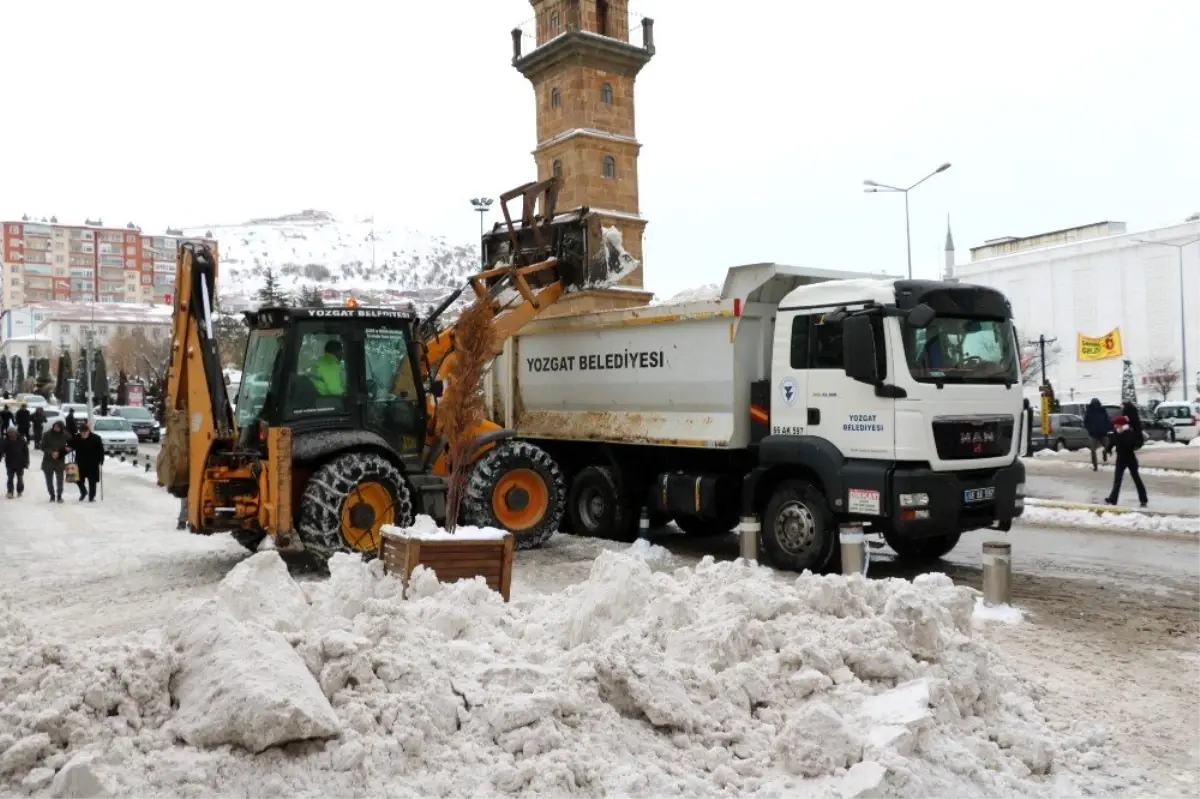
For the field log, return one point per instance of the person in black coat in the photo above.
(16, 460)
(39, 425)
(24, 418)
(1099, 427)
(1126, 442)
(89, 456)
(71, 423)
(6, 418)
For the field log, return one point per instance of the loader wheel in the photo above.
(515, 486)
(598, 509)
(248, 538)
(348, 500)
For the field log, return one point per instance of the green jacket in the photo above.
(54, 441)
(327, 374)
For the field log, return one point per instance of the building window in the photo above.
(555, 98)
(555, 20)
(610, 166)
(556, 168)
(606, 94)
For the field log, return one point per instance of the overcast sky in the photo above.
(760, 119)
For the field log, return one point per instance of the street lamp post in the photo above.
(481, 204)
(872, 186)
(1182, 306)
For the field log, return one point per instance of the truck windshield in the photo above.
(957, 350)
(261, 352)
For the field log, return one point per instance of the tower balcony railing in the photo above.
(637, 31)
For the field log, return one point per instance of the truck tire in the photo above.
(696, 527)
(922, 550)
(345, 503)
(597, 508)
(515, 486)
(250, 539)
(798, 529)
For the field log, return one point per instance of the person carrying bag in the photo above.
(55, 445)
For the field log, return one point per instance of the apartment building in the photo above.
(46, 329)
(43, 261)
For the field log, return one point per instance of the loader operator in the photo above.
(327, 371)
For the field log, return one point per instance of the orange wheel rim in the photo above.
(520, 499)
(367, 508)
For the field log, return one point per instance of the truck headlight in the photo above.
(914, 500)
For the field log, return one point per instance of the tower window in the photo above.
(555, 98)
(556, 168)
(555, 20)
(606, 94)
(610, 166)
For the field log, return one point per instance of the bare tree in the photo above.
(1031, 362)
(138, 354)
(1162, 374)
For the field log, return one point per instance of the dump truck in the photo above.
(794, 402)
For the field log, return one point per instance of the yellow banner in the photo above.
(1098, 349)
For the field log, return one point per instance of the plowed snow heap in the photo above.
(721, 678)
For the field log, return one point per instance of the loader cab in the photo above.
(323, 370)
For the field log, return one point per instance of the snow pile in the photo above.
(718, 679)
(1109, 519)
(706, 293)
(1004, 613)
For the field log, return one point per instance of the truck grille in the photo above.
(970, 438)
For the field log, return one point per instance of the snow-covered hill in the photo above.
(312, 249)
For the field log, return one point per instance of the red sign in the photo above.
(167, 299)
(136, 394)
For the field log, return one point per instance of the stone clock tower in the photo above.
(583, 67)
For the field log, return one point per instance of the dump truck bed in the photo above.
(670, 375)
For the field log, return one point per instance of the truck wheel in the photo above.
(798, 530)
(248, 538)
(703, 528)
(597, 508)
(347, 501)
(515, 486)
(922, 550)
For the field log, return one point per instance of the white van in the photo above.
(1184, 418)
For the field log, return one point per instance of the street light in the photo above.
(872, 186)
(1182, 305)
(481, 204)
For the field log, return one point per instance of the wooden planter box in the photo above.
(451, 558)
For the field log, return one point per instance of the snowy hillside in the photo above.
(312, 249)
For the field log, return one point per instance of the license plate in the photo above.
(979, 494)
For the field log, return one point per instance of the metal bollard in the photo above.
(644, 524)
(854, 548)
(997, 573)
(748, 531)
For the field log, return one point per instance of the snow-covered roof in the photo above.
(119, 312)
(841, 292)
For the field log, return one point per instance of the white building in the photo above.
(1092, 280)
(50, 327)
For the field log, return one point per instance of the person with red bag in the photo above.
(1126, 441)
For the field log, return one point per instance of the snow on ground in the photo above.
(1058, 458)
(1004, 613)
(1109, 519)
(639, 679)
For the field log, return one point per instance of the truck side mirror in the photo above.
(858, 350)
(920, 317)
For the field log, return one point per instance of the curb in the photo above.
(1084, 526)
(1100, 510)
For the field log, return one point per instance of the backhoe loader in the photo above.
(336, 430)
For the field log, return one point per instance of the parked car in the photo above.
(117, 435)
(32, 400)
(1182, 417)
(1066, 432)
(80, 409)
(142, 421)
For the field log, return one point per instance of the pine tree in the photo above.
(122, 388)
(81, 376)
(271, 295)
(311, 298)
(18, 373)
(64, 376)
(1128, 387)
(4, 374)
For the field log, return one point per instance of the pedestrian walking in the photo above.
(1126, 441)
(72, 423)
(88, 449)
(55, 445)
(16, 460)
(39, 427)
(1099, 427)
(24, 419)
(6, 418)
